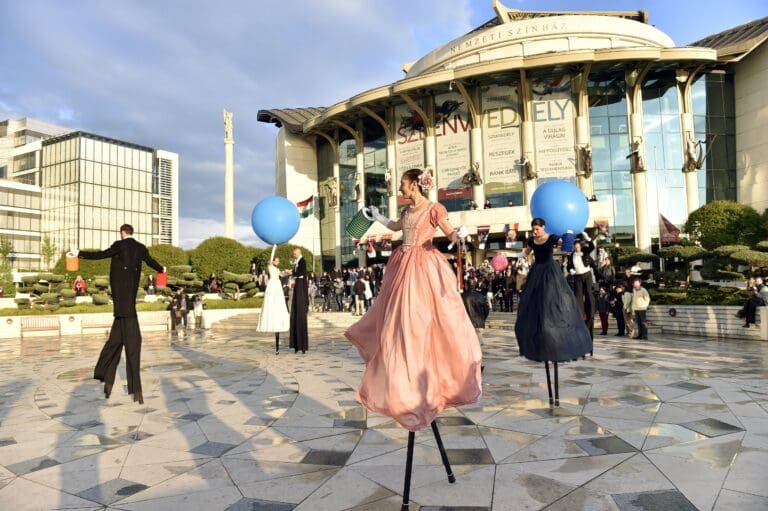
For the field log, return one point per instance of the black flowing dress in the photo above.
(298, 332)
(549, 324)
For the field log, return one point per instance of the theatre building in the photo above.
(647, 129)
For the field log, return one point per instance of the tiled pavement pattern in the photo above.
(664, 424)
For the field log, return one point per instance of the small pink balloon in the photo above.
(499, 262)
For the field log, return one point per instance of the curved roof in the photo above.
(292, 118)
(737, 42)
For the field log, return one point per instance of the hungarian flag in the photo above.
(306, 206)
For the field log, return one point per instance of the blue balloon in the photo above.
(275, 220)
(562, 205)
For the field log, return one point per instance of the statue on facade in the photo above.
(332, 192)
(694, 155)
(227, 125)
(527, 168)
(472, 177)
(636, 160)
(389, 182)
(585, 157)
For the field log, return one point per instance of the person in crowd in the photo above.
(78, 285)
(127, 256)
(603, 308)
(629, 317)
(521, 274)
(637, 269)
(640, 302)
(758, 297)
(213, 284)
(617, 308)
(359, 290)
(338, 286)
(311, 293)
(628, 278)
(419, 346)
(151, 284)
(487, 204)
(580, 265)
(197, 307)
(509, 290)
(606, 272)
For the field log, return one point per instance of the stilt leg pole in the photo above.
(443, 454)
(557, 386)
(408, 468)
(277, 343)
(549, 383)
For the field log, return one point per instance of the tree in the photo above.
(6, 247)
(168, 255)
(215, 255)
(725, 223)
(687, 253)
(48, 250)
(751, 258)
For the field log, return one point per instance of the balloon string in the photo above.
(272, 257)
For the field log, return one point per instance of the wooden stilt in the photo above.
(408, 468)
(557, 386)
(277, 343)
(549, 383)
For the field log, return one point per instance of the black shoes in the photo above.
(107, 390)
(137, 396)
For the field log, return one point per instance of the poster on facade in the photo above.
(501, 139)
(553, 125)
(409, 139)
(452, 146)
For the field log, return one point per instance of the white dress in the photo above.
(274, 313)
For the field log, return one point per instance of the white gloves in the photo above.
(164, 271)
(372, 213)
(572, 271)
(461, 233)
(586, 236)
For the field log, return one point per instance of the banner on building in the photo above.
(501, 138)
(409, 139)
(452, 146)
(668, 232)
(370, 247)
(553, 126)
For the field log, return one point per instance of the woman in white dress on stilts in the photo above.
(274, 313)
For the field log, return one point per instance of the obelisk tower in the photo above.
(229, 177)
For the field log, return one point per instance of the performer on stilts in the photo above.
(420, 348)
(549, 326)
(127, 254)
(274, 313)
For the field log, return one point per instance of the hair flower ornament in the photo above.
(426, 181)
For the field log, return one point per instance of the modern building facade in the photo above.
(602, 99)
(74, 188)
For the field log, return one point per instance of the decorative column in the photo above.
(472, 99)
(693, 150)
(527, 162)
(229, 177)
(583, 148)
(427, 115)
(634, 79)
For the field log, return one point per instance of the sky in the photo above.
(160, 72)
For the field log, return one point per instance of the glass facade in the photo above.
(714, 122)
(91, 186)
(20, 224)
(375, 163)
(609, 138)
(663, 150)
(326, 213)
(347, 195)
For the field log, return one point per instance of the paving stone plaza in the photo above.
(670, 423)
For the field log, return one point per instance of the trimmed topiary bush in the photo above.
(67, 293)
(219, 254)
(723, 222)
(100, 299)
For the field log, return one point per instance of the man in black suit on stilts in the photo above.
(299, 335)
(127, 254)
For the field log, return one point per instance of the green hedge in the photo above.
(699, 295)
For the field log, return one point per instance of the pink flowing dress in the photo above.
(419, 346)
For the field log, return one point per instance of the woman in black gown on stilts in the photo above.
(549, 326)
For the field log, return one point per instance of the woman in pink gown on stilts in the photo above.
(419, 346)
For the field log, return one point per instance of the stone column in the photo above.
(527, 161)
(430, 145)
(229, 177)
(690, 167)
(583, 149)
